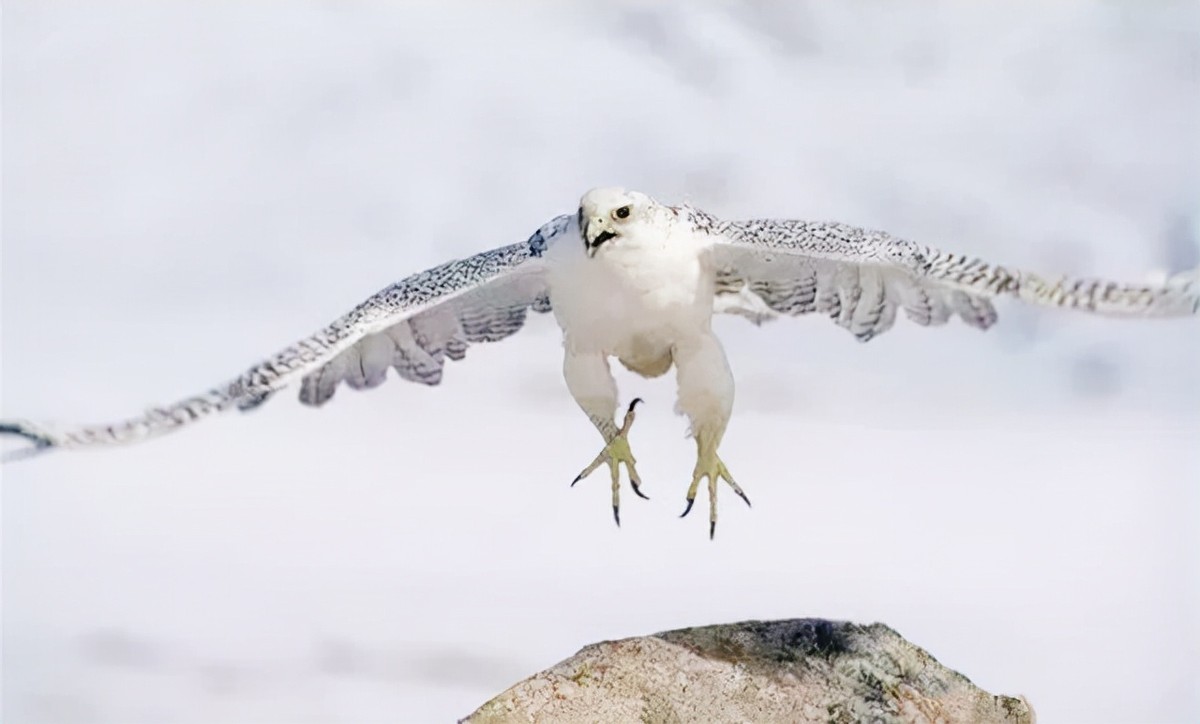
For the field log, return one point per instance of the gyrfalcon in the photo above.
(630, 278)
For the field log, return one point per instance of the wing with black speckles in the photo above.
(412, 327)
(861, 278)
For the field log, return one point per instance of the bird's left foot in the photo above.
(615, 453)
(709, 466)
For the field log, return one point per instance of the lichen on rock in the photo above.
(795, 670)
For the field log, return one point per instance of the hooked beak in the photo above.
(595, 232)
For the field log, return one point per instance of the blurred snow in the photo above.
(188, 186)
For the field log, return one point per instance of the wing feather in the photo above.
(861, 278)
(412, 326)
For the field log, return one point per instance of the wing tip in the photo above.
(41, 442)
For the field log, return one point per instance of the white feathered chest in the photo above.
(634, 299)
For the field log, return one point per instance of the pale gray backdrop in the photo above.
(188, 186)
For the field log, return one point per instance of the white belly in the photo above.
(632, 303)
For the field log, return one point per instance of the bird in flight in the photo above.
(629, 278)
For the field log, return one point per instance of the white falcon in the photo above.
(631, 278)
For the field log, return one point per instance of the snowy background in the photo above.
(188, 187)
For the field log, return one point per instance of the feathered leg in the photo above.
(706, 397)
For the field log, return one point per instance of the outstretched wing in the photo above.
(861, 278)
(412, 326)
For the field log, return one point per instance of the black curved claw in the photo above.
(577, 479)
(743, 496)
(617, 515)
(688, 509)
(712, 529)
(638, 491)
(635, 402)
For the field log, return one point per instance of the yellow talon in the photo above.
(709, 466)
(615, 453)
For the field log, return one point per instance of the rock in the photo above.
(799, 670)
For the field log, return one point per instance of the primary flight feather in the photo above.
(629, 278)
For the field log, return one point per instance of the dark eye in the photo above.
(622, 213)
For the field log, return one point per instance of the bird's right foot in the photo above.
(615, 453)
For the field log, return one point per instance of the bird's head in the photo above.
(607, 214)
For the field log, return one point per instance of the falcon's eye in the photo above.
(622, 213)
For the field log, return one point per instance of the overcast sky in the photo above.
(187, 187)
